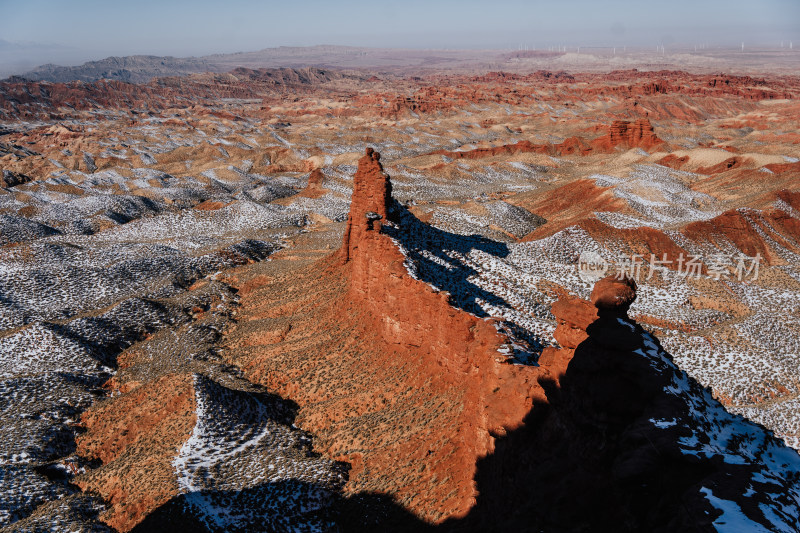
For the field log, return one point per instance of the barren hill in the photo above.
(413, 61)
(133, 69)
(222, 309)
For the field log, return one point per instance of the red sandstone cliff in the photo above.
(408, 389)
(638, 134)
(621, 133)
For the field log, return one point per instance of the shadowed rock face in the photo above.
(582, 441)
(404, 358)
(11, 179)
(629, 442)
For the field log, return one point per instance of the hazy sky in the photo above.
(68, 32)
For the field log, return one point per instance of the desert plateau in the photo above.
(344, 289)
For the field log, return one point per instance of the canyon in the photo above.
(315, 299)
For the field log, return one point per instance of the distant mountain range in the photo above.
(134, 69)
(142, 68)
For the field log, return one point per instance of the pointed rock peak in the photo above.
(371, 186)
(376, 156)
(372, 193)
(372, 189)
(315, 188)
(316, 178)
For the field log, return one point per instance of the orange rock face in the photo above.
(574, 316)
(369, 205)
(314, 188)
(136, 438)
(454, 349)
(427, 375)
(637, 134)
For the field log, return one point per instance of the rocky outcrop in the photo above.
(637, 134)
(570, 146)
(414, 391)
(136, 438)
(629, 442)
(421, 325)
(369, 205)
(314, 188)
(613, 296)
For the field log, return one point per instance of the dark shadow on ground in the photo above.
(427, 246)
(363, 512)
(589, 459)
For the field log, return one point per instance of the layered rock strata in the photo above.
(406, 388)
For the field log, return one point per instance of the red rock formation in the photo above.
(621, 133)
(728, 164)
(614, 294)
(424, 377)
(314, 188)
(569, 146)
(412, 315)
(369, 204)
(573, 316)
(136, 437)
(639, 134)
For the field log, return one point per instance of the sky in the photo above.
(34, 32)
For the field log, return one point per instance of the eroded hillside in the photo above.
(195, 316)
